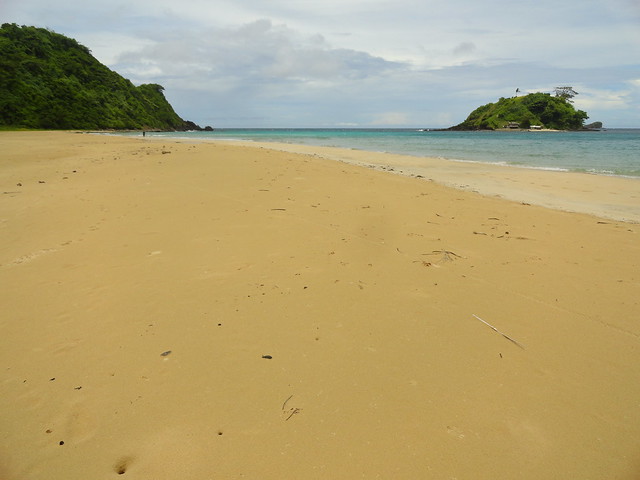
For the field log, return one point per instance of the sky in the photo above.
(357, 63)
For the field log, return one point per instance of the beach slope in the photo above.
(175, 310)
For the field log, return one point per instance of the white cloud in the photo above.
(391, 119)
(108, 47)
(258, 50)
(590, 99)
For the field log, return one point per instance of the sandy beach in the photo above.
(176, 310)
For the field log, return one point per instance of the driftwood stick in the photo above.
(498, 331)
(293, 412)
(285, 402)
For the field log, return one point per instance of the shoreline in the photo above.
(608, 196)
(598, 168)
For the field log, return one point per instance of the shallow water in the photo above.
(606, 152)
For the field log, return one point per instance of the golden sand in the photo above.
(211, 311)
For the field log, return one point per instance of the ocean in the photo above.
(605, 152)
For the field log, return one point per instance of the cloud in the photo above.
(391, 119)
(590, 99)
(258, 49)
(464, 48)
(615, 106)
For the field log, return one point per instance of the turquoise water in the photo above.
(607, 152)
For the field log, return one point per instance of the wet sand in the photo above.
(177, 310)
(612, 197)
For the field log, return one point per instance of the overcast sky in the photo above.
(357, 63)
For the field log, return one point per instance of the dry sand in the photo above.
(210, 311)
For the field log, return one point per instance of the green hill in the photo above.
(533, 109)
(50, 81)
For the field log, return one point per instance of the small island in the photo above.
(534, 111)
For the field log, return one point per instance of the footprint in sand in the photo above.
(32, 256)
(63, 348)
(455, 432)
(122, 465)
(78, 424)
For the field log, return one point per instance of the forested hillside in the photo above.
(540, 109)
(50, 81)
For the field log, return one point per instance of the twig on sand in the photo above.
(445, 255)
(498, 331)
(445, 252)
(293, 412)
(285, 402)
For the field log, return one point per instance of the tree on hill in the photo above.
(566, 93)
(50, 81)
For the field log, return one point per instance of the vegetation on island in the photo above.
(50, 81)
(535, 110)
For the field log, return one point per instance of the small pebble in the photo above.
(164, 354)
